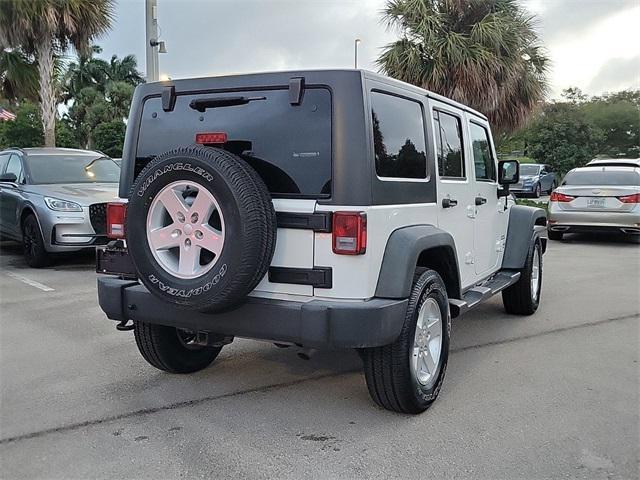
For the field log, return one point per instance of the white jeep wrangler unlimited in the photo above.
(325, 209)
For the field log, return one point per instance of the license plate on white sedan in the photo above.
(596, 202)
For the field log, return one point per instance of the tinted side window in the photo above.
(483, 162)
(15, 166)
(449, 145)
(4, 157)
(398, 137)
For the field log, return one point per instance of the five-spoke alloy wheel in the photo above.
(185, 229)
(427, 343)
(201, 228)
(406, 375)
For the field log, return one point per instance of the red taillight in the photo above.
(635, 198)
(211, 138)
(349, 233)
(560, 197)
(116, 214)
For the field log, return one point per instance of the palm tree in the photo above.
(483, 53)
(88, 71)
(124, 70)
(18, 76)
(45, 28)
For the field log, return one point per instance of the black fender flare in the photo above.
(404, 247)
(525, 225)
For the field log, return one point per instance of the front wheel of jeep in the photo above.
(523, 297)
(172, 349)
(406, 376)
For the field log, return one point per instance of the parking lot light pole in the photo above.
(356, 43)
(151, 20)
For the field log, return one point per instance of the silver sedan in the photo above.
(54, 199)
(596, 199)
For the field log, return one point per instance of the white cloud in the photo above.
(578, 59)
(214, 37)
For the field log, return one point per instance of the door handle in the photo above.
(480, 201)
(449, 202)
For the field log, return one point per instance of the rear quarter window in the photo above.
(398, 137)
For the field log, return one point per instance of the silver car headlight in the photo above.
(62, 205)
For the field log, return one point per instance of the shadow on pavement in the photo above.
(600, 238)
(80, 260)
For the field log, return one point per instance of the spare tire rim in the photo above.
(185, 229)
(427, 343)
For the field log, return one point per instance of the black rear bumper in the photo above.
(317, 323)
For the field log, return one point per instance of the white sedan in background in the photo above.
(596, 199)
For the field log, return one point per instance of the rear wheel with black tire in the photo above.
(553, 235)
(406, 376)
(523, 297)
(171, 349)
(201, 228)
(35, 254)
(552, 188)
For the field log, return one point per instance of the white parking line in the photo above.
(30, 282)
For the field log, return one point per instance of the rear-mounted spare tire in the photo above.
(201, 228)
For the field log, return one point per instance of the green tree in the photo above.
(18, 76)
(87, 71)
(618, 117)
(109, 138)
(118, 96)
(65, 136)
(483, 53)
(45, 28)
(124, 70)
(574, 95)
(91, 108)
(25, 130)
(562, 137)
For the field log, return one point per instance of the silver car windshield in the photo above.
(529, 169)
(596, 178)
(47, 169)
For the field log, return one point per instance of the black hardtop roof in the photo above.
(281, 78)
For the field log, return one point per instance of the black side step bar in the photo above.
(479, 293)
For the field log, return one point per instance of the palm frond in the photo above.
(485, 53)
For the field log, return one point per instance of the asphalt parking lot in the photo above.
(555, 395)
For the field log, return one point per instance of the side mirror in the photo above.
(8, 177)
(508, 174)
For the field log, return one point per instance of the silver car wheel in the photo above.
(535, 274)
(179, 233)
(427, 343)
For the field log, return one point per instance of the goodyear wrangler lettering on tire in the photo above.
(174, 167)
(186, 294)
(200, 228)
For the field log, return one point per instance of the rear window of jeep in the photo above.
(288, 145)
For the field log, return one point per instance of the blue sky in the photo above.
(593, 44)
